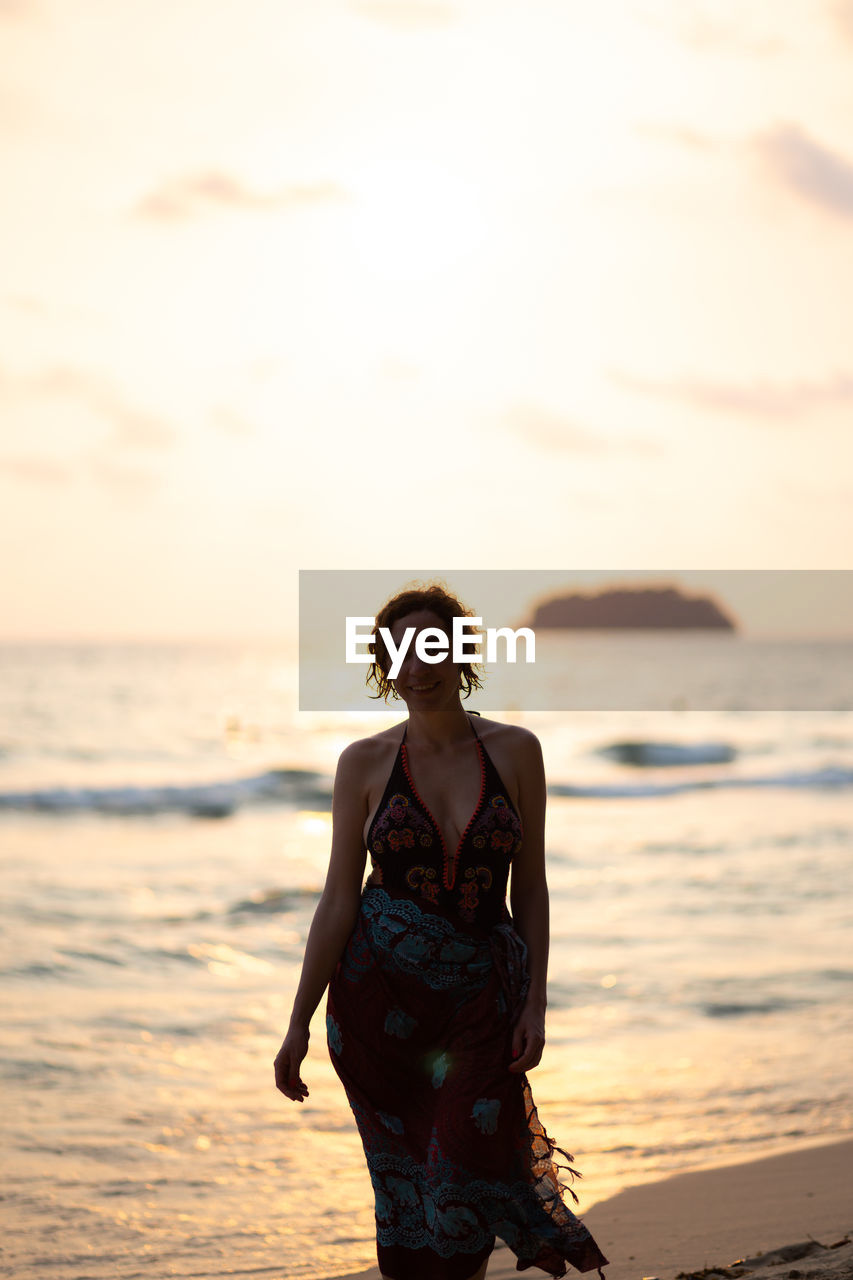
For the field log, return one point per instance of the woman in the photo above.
(436, 1005)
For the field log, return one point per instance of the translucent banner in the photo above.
(540, 640)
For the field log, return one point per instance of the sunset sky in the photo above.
(525, 284)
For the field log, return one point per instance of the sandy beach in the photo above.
(699, 1007)
(785, 1217)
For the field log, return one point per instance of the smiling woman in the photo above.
(436, 1004)
(394, 658)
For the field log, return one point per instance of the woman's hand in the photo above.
(287, 1062)
(528, 1038)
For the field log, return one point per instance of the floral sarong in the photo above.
(420, 1017)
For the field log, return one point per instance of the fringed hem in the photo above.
(560, 1237)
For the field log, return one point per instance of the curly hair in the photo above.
(435, 597)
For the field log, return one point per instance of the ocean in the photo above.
(164, 832)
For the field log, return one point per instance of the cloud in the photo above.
(196, 194)
(21, 115)
(17, 8)
(28, 307)
(111, 462)
(128, 481)
(107, 472)
(680, 135)
(230, 422)
(25, 304)
(132, 427)
(756, 399)
(815, 172)
(842, 12)
(405, 15)
(697, 24)
(264, 369)
(555, 433)
(397, 370)
(36, 470)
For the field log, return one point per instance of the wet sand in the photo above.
(780, 1218)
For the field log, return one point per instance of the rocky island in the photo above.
(659, 608)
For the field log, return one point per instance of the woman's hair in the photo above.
(438, 600)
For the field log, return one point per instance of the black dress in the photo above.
(420, 1017)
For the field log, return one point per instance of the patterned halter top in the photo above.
(410, 859)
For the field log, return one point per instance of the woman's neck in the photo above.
(436, 730)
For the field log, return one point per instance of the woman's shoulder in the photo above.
(515, 752)
(375, 748)
(364, 765)
(508, 737)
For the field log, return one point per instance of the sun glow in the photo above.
(414, 221)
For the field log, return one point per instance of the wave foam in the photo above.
(297, 787)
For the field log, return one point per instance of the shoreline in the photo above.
(748, 1219)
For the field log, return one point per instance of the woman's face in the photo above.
(425, 685)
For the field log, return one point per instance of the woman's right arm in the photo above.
(334, 918)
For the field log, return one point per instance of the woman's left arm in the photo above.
(529, 903)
